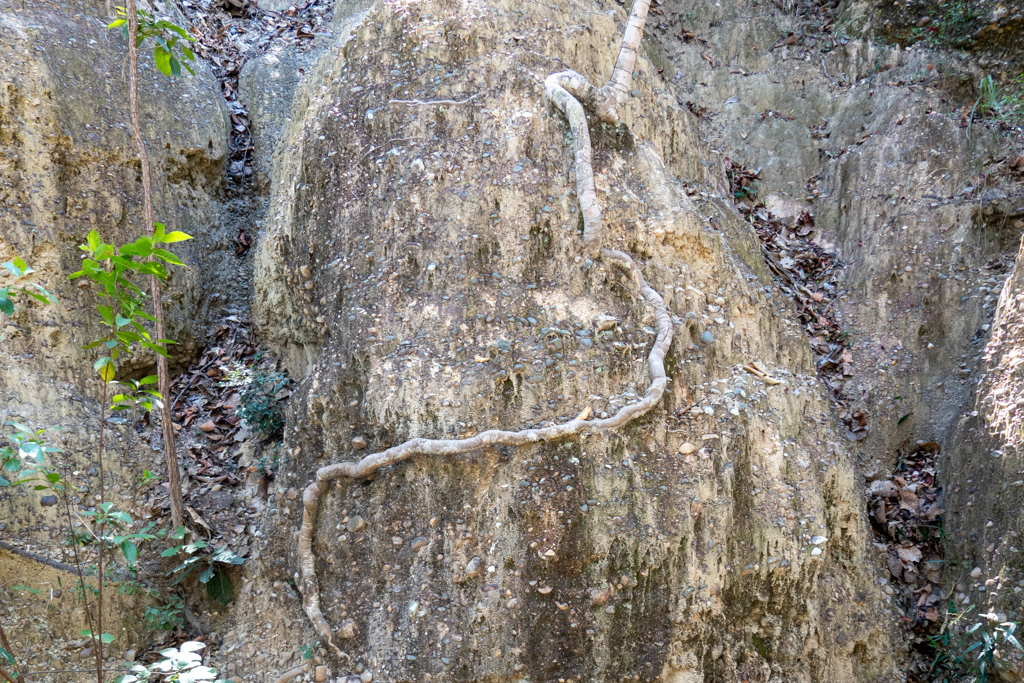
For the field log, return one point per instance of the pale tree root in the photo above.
(313, 493)
(569, 91)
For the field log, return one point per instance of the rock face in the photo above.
(421, 269)
(67, 167)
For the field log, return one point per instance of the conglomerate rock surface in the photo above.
(421, 268)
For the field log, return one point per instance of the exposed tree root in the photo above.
(569, 91)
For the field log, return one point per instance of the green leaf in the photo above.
(105, 366)
(167, 256)
(227, 557)
(122, 517)
(107, 314)
(162, 59)
(14, 270)
(131, 552)
(206, 575)
(175, 236)
(94, 241)
(171, 552)
(175, 67)
(149, 379)
(106, 638)
(157, 348)
(219, 588)
(117, 22)
(189, 567)
(6, 305)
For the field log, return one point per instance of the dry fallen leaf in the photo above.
(909, 553)
(208, 426)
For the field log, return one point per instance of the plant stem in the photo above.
(78, 564)
(98, 634)
(5, 675)
(7, 646)
(163, 377)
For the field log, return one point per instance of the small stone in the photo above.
(474, 568)
(359, 442)
(396, 540)
(419, 543)
(687, 448)
(923, 21)
(85, 654)
(320, 673)
(355, 524)
(605, 322)
(818, 540)
(305, 272)
(707, 337)
(48, 501)
(366, 677)
(514, 603)
(976, 572)
(545, 590)
(598, 597)
(815, 551)
(348, 630)
(417, 165)
(129, 655)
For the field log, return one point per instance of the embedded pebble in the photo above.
(707, 337)
(359, 442)
(348, 630)
(355, 524)
(419, 543)
(474, 568)
(687, 448)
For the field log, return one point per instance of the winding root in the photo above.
(353, 470)
(569, 91)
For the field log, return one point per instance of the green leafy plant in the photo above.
(1001, 636)
(166, 36)
(166, 617)
(260, 406)
(1005, 104)
(113, 269)
(183, 664)
(211, 564)
(24, 457)
(106, 516)
(309, 649)
(21, 270)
